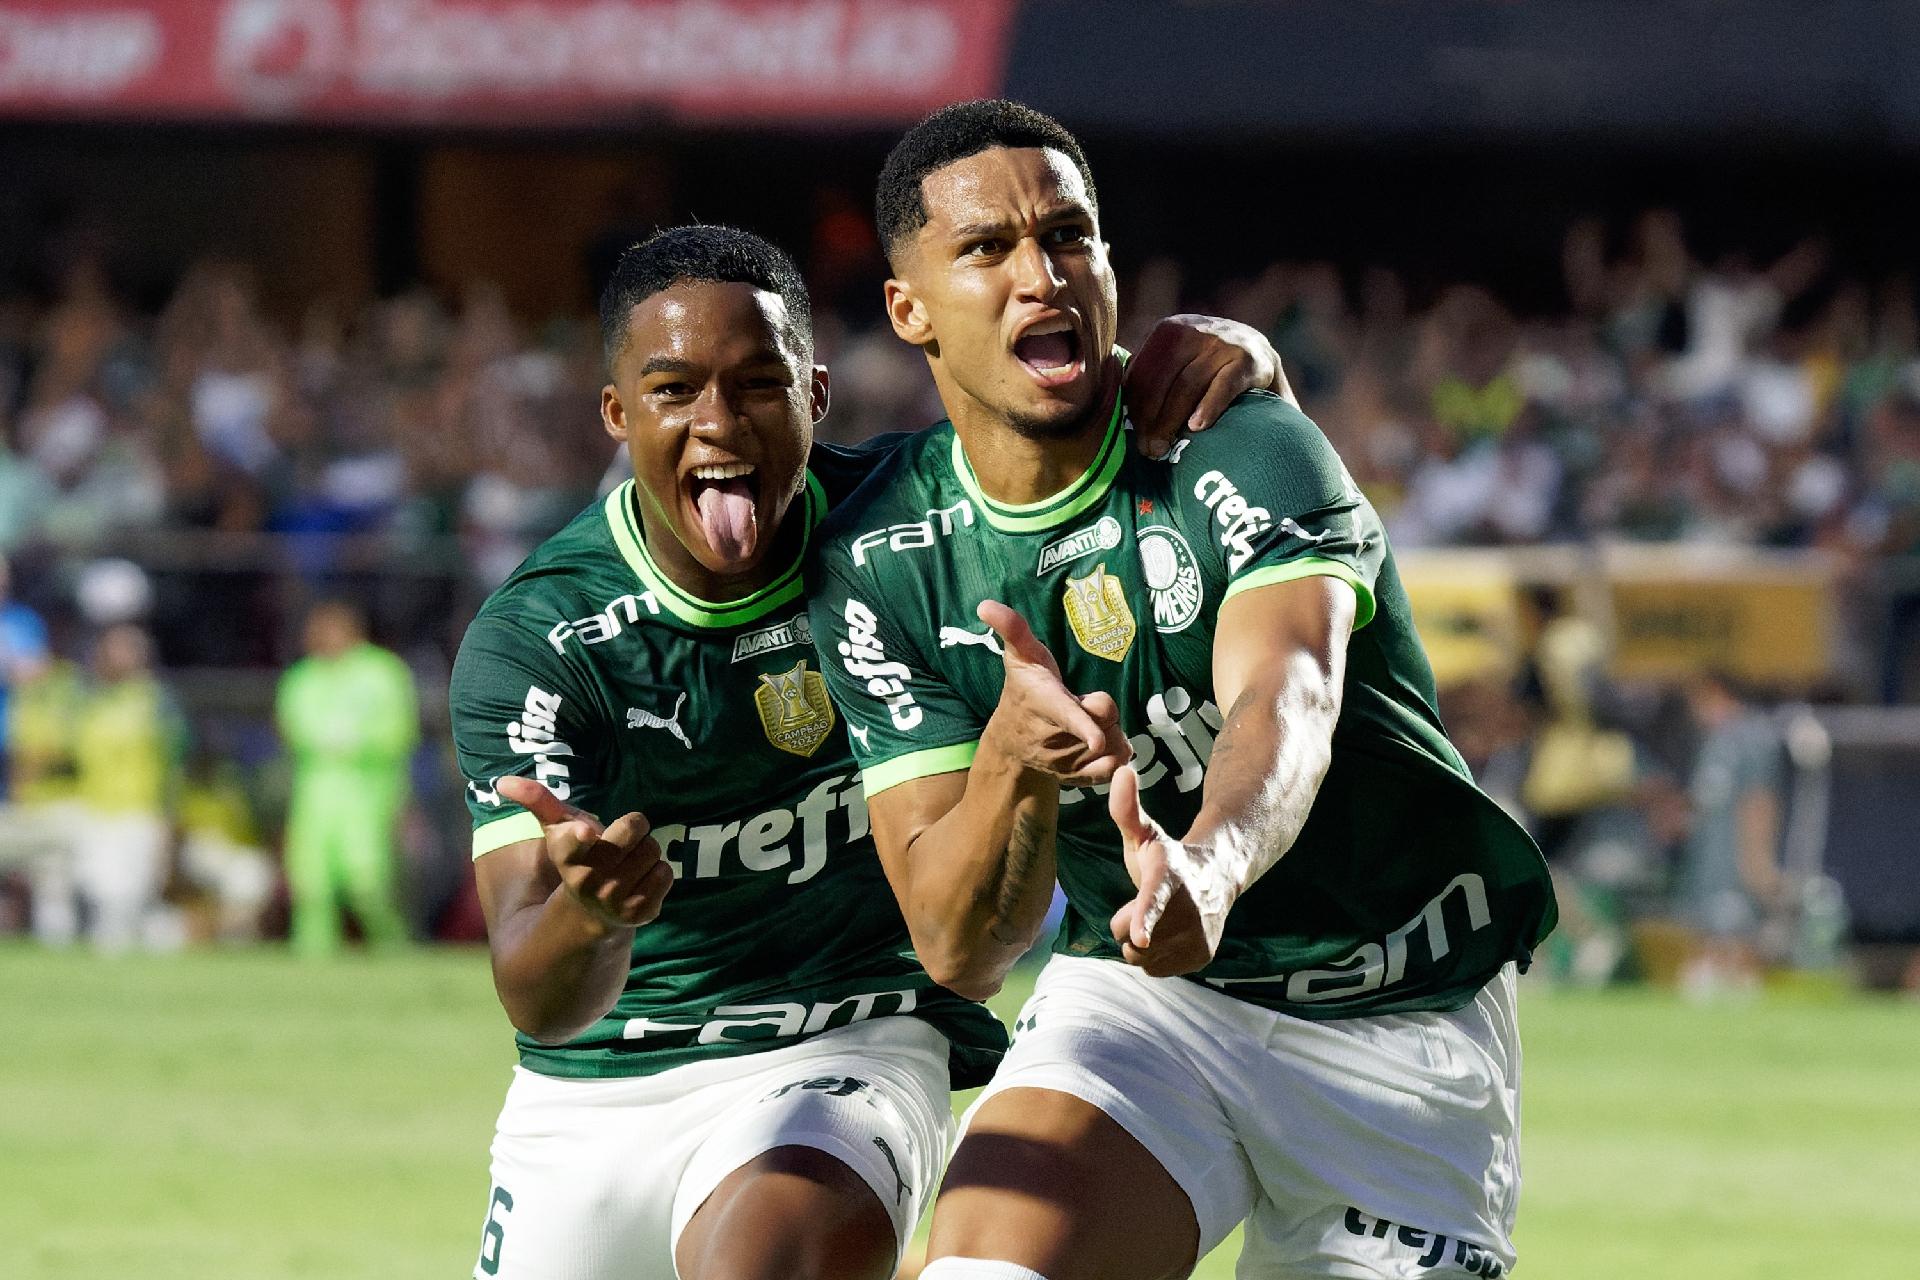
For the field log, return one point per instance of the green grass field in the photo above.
(241, 1116)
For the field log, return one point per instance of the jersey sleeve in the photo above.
(1276, 503)
(515, 713)
(904, 720)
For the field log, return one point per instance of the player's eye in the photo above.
(1065, 236)
(671, 390)
(986, 247)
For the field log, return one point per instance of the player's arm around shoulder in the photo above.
(562, 893)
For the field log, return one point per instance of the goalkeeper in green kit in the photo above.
(348, 715)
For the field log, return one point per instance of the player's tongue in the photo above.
(726, 515)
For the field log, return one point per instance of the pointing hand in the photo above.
(615, 873)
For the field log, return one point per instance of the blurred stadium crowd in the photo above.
(409, 452)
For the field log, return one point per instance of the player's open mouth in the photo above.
(1050, 350)
(726, 503)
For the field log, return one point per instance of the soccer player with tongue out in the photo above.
(731, 1063)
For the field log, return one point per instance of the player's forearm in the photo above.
(1267, 765)
(557, 969)
(983, 875)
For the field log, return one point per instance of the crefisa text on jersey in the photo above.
(1179, 729)
(865, 658)
(533, 735)
(1239, 520)
(764, 842)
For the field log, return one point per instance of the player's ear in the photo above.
(908, 314)
(613, 414)
(822, 392)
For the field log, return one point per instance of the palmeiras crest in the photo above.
(794, 709)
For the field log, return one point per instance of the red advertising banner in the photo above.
(496, 62)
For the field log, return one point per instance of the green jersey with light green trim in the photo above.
(1407, 888)
(591, 672)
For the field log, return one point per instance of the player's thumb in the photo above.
(1144, 912)
(1123, 804)
(1017, 641)
(536, 799)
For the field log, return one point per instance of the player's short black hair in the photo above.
(954, 133)
(722, 255)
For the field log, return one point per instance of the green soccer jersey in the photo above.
(1406, 889)
(589, 671)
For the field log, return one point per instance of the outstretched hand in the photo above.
(1189, 370)
(614, 872)
(1047, 727)
(1173, 924)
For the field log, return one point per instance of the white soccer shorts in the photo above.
(1382, 1147)
(595, 1179)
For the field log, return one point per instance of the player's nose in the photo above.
(717, 417)
(1035, 277)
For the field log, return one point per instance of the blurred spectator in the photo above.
(347, 714)
(1730, 881)
(105, 875)
(221, 852)
(23, 656)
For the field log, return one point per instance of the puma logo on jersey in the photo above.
(859, 732)
(1291, 526)
(952, 636)
(485, 795)
(638, 719)
(533, 735)
(865, 659)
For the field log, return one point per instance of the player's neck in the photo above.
(1015, 468)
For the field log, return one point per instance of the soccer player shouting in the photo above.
(731, 1065)
(1189, 687)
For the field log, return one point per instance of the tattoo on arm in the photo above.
(1024, 847)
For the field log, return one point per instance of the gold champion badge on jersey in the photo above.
(1098, 613)
(794, 709)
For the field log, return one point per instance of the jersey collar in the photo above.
(786, 587)
(1032, 517)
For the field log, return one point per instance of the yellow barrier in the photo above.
(1767, 617)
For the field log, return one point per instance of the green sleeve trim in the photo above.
(502, 832)
(1310, 567)
(917, 764)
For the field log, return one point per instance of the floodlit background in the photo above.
(1609, 306)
